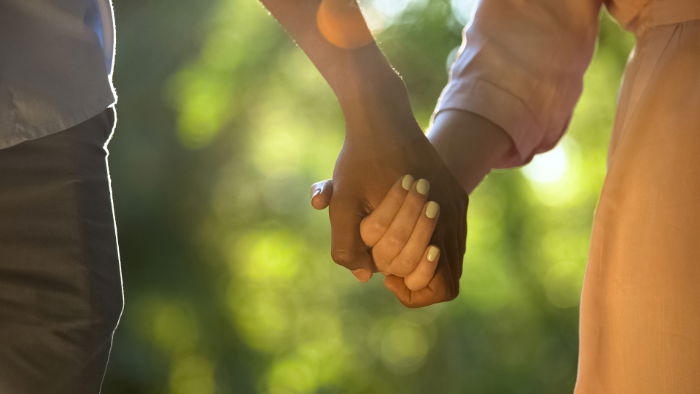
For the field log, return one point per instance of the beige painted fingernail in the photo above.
(423, 186)
(406, 182)
(433, 253)
(432, 209)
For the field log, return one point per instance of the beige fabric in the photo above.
(640, 312)
(521, 67)
(521, 64)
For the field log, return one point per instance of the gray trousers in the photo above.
(60, 280)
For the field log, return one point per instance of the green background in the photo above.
(224, 124)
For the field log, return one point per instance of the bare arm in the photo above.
(383, 141)
(346, 55)
(468, 143)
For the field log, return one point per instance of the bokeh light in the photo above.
(548, 167)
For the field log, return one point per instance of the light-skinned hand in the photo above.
(398, 231)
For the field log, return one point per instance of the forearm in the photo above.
(372, 96)
(343, 50)
(469, 144)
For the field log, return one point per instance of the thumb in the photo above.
(321, 193)
(347, 248)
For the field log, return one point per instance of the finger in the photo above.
(438, 290)
(400, 229)
(375, 225)
(421, 276)
(397, 286)
(321, 193)
(347, 249)
(416, 246)
(412, 299)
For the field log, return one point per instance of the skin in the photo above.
(398, 231)
(383, 141)
(341, 23)
(403, 234)
(471, 146)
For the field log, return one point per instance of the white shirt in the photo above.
(56, 61)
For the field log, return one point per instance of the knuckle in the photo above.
(413, 285)
(377, 226)
(393, 242)
(409, 304)
(401, 266)
(381, 258)
(371, 231)
(342, 256)
(374, 228)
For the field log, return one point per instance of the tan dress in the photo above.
(521, 67)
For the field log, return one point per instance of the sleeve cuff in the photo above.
(501, 107)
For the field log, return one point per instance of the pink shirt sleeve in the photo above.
(521, 66)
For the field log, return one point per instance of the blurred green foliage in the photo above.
(224, 124)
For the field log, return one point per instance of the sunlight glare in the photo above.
(462, 10)
(381, 14)
(548, 167)
(342, 24)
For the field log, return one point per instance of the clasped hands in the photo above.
(409, 227)
(377, 224)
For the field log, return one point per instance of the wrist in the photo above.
(470, 145)
(334, 36)
(378, 104)
(363, 75)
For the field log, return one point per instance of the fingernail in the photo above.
(362, 274)
(433, 252)
(432, 209)
(423, 186)
(315, 193)
(406, 182)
